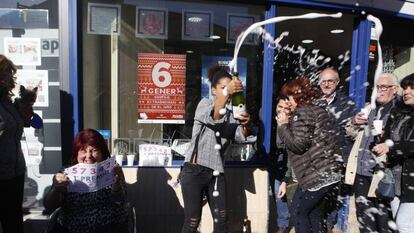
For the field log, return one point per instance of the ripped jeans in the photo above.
(198, 182)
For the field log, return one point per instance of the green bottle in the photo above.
(238, 101)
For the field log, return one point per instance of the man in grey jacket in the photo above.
(372, 213)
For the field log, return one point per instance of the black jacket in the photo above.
(400, 129)
(312, 146)
(342, 108)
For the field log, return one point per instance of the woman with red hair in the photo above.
(99, 211)
(313, 153)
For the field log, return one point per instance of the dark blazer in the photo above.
(400, 129)
(12, 162)
(343, 109)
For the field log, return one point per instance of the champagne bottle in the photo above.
(238, 101)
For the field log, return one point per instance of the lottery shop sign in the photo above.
(161, 88)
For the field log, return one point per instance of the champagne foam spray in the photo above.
(378, 31)
(255, 26)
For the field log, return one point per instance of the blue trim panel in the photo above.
(359, 62)
(317, 4)
(267, 85)
(73, 63)
(354, 53)
(342, 7)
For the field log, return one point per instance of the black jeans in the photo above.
(373, 214)
(11, 200)
(308, 214)
(196, 183)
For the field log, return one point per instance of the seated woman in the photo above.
(99, 211)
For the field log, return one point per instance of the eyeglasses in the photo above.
(328, 81)
(384, 87)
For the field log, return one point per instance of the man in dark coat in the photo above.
(342, 109)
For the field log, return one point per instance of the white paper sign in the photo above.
(154, 155)
(23, 51)
(91, 177)
(31, 79)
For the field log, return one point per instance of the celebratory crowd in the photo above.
(334, 152)
(325, 146)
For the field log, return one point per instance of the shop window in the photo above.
(307, 46)
(29, 36)
(397, 50)
(195, 33)
(310, 45)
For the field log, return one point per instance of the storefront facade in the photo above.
(105, 65)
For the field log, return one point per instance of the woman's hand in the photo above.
(244, 119)
(282, 190)
(282, 118)
(119, 175)
(360, 119)
(381, 149)
(26, 112)
(60, 181)
(234, 86)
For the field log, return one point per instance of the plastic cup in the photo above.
(130, 159)
(365, 112)
(377, 127)
(119, 159)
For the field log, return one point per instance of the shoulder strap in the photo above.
(195, 150)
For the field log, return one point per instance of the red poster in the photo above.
(161, 88)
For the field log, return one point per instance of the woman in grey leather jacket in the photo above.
(313, 153)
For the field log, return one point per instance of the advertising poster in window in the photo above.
(104, 19)
(31, 79)
(161, 88)
(23, 51)
(236, 24)
(151, 23)
(197, 25)
(208, 61)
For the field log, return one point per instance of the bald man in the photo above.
(342, 109)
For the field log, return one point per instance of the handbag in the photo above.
(386, 186)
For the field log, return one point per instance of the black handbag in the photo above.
(386, 186)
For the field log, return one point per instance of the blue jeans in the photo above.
(281, 208)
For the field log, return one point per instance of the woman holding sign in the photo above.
(98, 211)
(203, 171)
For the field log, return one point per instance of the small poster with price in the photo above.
(86, 178)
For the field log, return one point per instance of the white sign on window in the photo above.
(154, 155)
